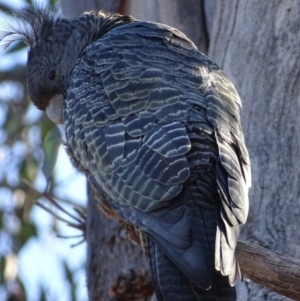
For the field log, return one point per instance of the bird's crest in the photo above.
(27, 26)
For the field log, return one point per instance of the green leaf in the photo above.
(26, 231)
(2, 267)
(29, 169)
(12, 125)
(16, 47)
(52, 3)
(43, 295)
(46, 125)
(33, 2)
(70, 278)
(51, 144)
(29, 2)
(1, 219)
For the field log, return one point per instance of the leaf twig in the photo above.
(80, 220)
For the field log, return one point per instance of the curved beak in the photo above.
(55, 109)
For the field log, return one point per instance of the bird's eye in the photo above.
(52, 75)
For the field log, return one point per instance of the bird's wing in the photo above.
(131, 99)
(233, 172)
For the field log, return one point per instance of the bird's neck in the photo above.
(86, 29)
(95, 24)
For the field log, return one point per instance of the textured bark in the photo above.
(110, 253)
(209, 13)
(257, 45)
(279, 273)
(73, 10)
(187, 16)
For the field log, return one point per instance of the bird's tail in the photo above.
(172, 285)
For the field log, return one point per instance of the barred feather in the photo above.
(185, 114)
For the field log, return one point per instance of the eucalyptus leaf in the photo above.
(4, 8)
(43, 295)
(29, 168)
(16, 47)
(27, 231)
(71, 280)
(50, 147)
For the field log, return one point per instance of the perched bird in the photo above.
(155, 126)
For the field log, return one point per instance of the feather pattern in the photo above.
(182, 114)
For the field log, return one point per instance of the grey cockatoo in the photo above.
(155, 126)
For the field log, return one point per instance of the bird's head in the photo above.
(55, 44)
(50, 57)
(48, 68)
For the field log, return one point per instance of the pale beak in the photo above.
(55, 109)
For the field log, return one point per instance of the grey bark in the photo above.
(109, 253)
(209, 13)
(257, 45)
(71, 9)
(279, 273)
(187, 16)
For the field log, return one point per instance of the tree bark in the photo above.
(210, 7)
(72, 10)
(279, 273)
(257, 44)
(187, 16)
(110, 256)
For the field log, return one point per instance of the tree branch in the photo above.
(16, 74)
(277, 272)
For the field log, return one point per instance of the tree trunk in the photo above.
(72, 10)
(257, 44)
(111, 257)
(187, 16)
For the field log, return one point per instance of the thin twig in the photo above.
(80, 219)
(51, 200)
(55, 215)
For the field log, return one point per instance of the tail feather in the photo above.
(220, 290)
(172, 285)
(225, 259)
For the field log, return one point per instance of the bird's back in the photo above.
(155, 125)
